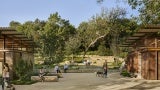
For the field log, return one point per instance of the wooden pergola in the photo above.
(13, 45)
(13, 40)
(144, 57)
(149, 30)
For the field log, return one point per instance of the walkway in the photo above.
(89, 81)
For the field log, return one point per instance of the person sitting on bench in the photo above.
(41, 74)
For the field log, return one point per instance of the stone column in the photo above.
(139, 66)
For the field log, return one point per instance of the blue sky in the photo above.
(75, 11)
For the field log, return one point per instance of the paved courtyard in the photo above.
(89, 81)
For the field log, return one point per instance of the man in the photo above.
(105, 68)
(57, 69)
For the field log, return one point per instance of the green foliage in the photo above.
(56, 32)
(19, 82)
(56, 37)
(72, 45)
(148, 9)
(91, 32)
(91, 53)
(103, 51)
(14, 24)
(125, 73)
(50, 36)
(110, 26)
(76, 59)
(117, 63)
(23, 70)
(74, 67)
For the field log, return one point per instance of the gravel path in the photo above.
(89, 81)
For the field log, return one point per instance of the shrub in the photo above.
(125, 73)
(18, 82)
(23, 70)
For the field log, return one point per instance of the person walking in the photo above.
(105, 68)
(5, 76)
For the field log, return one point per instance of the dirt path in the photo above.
(89, 81)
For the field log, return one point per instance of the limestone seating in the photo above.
(47, 78)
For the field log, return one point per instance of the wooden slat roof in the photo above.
(13, 36)
(147, 30)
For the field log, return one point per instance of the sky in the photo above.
(76, 11)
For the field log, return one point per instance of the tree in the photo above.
(119, 27)
(110, 25)
(14, 24)
(149, 10)
(102, 49)
(56, 32)
(72, 46)
(91, 32)
(50, 35)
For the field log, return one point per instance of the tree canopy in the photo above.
(110, 26)
(56, 37)
(50, 35)
(149, 10)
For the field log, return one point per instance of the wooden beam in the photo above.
(5, 50)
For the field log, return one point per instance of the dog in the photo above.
(99, 74)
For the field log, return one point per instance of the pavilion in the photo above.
(143, 58)
(13, 46)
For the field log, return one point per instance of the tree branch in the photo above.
(93, 42)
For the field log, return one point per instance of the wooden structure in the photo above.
(13, 46)
(144, 57)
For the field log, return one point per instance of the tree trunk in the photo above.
(92, 43)
(72, 57)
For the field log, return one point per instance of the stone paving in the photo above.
(89, 81)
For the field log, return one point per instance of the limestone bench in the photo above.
(59, 75)
(47, 78)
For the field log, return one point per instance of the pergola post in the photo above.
(4, 46)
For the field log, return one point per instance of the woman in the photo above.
(5, 75)
(105, 68)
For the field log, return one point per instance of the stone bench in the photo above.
(47, 78)
(59, 75)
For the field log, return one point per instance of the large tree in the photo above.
(56, 32)
(149, 10)
(72, 46)
(91, 32)
(111, 25)
(49, 35)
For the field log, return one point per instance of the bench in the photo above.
(54, 74)
(47, 78)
